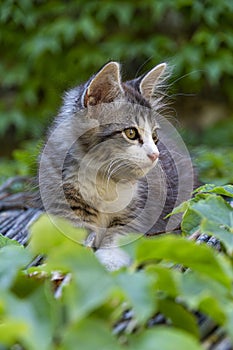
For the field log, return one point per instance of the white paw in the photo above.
(112, 258)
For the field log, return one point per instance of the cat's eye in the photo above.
(132, 133)
(155, 137)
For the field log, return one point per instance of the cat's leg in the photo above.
(113, 258)
(109, 253)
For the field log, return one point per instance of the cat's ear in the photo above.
(105, 86)
(149, 82)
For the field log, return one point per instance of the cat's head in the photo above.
(123, 144)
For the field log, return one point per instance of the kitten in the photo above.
(104, 166)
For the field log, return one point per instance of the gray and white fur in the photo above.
(96, 173)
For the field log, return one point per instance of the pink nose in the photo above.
(153, 156)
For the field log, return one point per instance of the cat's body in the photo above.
(103, 167)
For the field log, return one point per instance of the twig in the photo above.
(12, 181)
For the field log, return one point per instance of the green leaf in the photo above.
(13, 258)
(166, 280)
(215, 209)
(90, 334)
(226, 190)
(11, 331)
(191, 221)
(179, 209)
(24, 285)
(163, 338)
(90, 288)
(229, 324)
(210, 306)
(180, 317)
(5, 241)
(198, 292)
(138, 287)
(222, 232)
(200, 258)
(49, 232)
(37, 313)
(91, 284)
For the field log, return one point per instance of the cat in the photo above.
(105, 166)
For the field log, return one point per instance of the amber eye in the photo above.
(155, 137)
(131, 133)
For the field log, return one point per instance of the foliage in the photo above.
(38, 313)
(48, 46)
(214, 164)
(209, 213)
(24, 163)
(212, 154)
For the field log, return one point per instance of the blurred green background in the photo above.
(49, 46)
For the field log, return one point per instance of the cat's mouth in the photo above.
(134, 170)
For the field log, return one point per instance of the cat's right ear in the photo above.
(105, 87)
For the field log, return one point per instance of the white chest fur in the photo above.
(110, 199)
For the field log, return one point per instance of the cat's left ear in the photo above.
(149, 82)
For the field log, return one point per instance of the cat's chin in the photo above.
(141, 170)
(144, 170)
(141, 173)
(134, 173)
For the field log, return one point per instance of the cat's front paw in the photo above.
(113, 258)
